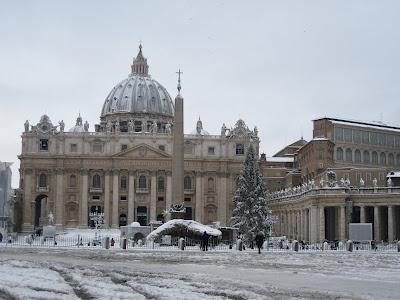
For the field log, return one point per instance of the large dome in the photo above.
(138, 94)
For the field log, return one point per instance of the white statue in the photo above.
(108, 126)
(347, 182)
(322, 182)
(362, 183)
(117, 126)
(131, 126)
(389, 182)
(86, 126)
(154, 127)
(223, 129)
(62, 125)
(375, 182)
(26, 124)
(50, 221)
(255, 131)
(168, 129)
(342, 182)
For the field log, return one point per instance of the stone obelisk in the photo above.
(177, 155)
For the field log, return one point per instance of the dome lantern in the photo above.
(140, 66)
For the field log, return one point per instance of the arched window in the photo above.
(96, 181)
(211, 184)
(161, 183)
(391, 159)
(357, 156)
(72, 181)
(383, 158)
(374, 158)
(339, 153)
(187, 183)
(124, 182)
(43, 180)
(239, 149)
(142, 182)
(349, 155)
(367, 159)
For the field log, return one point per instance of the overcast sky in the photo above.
(275, 64)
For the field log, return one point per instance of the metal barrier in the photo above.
(190, 244)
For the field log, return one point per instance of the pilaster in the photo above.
(84, 200)
(115, 200)
(131, 195)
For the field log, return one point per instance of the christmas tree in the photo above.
(251, 214)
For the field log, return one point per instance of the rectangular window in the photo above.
(211, 150)
(73, 148)
(97, 147)
(239, 149)
(357, 136)
(374, 138)
(44, 145)
(338, 134)
(348, 135)
(123, 198)
(96, 198)
(124, 147)
(160, 199)
(365, 137)
(188, 199)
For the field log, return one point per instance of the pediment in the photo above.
(142, 151)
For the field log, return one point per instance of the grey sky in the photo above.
(276, 64)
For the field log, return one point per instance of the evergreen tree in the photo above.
(251, 214)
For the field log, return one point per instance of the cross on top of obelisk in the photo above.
(179, 80)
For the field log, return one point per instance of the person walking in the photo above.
(112, 242)
(260, 238)
(204, 241)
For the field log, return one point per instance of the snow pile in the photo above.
(90, 233)
(134, 224)
(183, 227)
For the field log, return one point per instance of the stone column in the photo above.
(153, 196)
(199, 198)
(27, 225)
(314, 220)
(115, 217)
(342, 223)
(168, 194)
(307, 225)
(107, 209)
(59, 199)
(289, 224)
(302, 225)
(222, 201)
(377, 225)
(131, 196)
(298, 226)
(362, 213)
(84, 200)
(321, 223)
(390, 223)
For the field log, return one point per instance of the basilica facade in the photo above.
(123, 167)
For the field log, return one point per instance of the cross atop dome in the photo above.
(140, 66)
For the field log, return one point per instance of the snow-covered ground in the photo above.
(31, 273)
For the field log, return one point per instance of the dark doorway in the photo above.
(123, 220)
(142, 215)
(188, 214)
(330, 223)
(355, 216)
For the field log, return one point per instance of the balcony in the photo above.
(142, 191)
(95, 190)
(42, 189)
(188, 191)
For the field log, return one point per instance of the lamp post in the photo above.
(98, 220)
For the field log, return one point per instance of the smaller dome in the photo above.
(199, 129)
(78, 126)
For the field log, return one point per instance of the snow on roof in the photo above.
(280, 159)
(368, 124)
(393, 174)
(319, 139)
(193, 227)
